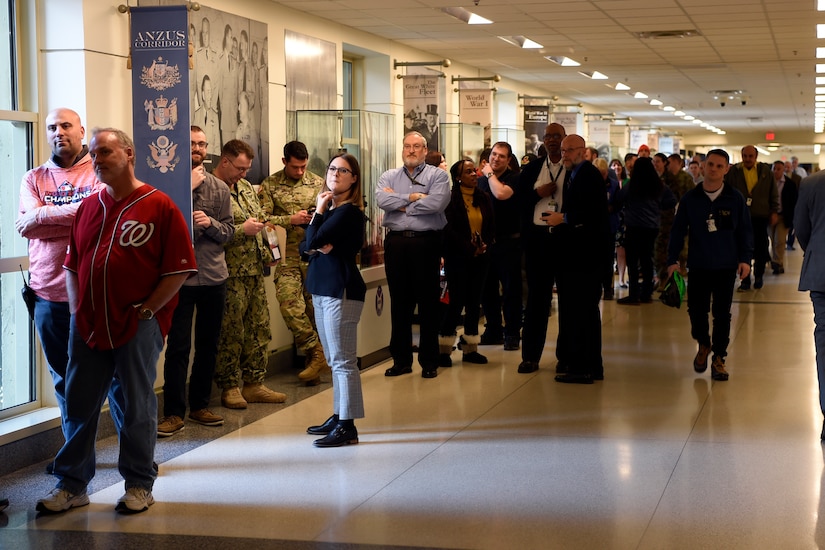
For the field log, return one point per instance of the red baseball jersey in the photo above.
(119, 251)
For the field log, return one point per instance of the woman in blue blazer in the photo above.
(333, 239)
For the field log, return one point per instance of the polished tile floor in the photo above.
(653, 457)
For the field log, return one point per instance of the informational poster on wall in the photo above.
(637, 139)
(535, 121)
(568, 120)
(160, 101)
(422, 107)
(230, 84)
(599, 137)
(476, 107)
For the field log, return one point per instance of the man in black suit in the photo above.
(540, 186)
(583, 228)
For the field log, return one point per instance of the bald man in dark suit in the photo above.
(583, 229)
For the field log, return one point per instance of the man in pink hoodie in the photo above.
(49, 198)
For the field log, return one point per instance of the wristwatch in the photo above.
(145, 314)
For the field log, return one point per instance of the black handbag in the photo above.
(28, 295)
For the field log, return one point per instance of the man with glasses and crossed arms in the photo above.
(245, 330)
(413, 199)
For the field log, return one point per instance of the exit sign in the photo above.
(770, 136)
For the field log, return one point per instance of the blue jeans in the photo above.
(89, 377)
(51, 319)
(818, 299)
(337, 322)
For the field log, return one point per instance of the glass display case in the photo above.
(459, 140)
(514, 137)
(372, 139)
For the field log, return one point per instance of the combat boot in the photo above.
(315, 364)
(256, 392)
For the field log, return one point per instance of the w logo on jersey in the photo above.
(134, 233)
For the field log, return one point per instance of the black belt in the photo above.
(411, 234)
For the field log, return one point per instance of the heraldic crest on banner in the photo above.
(163, 155)
(159, 75)
(161, 114)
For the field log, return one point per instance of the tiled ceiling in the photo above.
(766, 48)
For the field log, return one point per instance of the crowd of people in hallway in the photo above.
(564, 223)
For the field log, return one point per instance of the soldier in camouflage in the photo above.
(245, 332)
(679, 182)
(285, 198)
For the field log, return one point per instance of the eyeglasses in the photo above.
(565, 151)
(241, 169)
(553, 136)
(199, 144)
(416, 146)
(340, 169)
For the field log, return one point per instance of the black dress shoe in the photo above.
(397, 370)
(444, 360)
(511, 343)
(562, 368)
(325, 428)
(572, 378)
(526, 367)
(338, 437)
(429, 373)
(474, 357)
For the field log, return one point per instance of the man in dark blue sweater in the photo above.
(720, 250)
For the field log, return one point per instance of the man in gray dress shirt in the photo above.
(413, 199)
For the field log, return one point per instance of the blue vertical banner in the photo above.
(160, 95)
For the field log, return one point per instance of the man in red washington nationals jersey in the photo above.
(129, 253)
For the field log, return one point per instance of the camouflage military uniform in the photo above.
(680, 184)
(280, 198)
(245, 331)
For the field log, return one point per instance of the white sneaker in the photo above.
(60, 500)
(135, 500)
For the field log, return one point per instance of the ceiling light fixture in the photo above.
(521, 42)
(668, 34)
(562, 60)
(466, 16)
(668, 108)
(640, 95)
(621, 87)
(595, 75)
(678, 113)
(655, 102)
(689, 117)
(820, 53)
